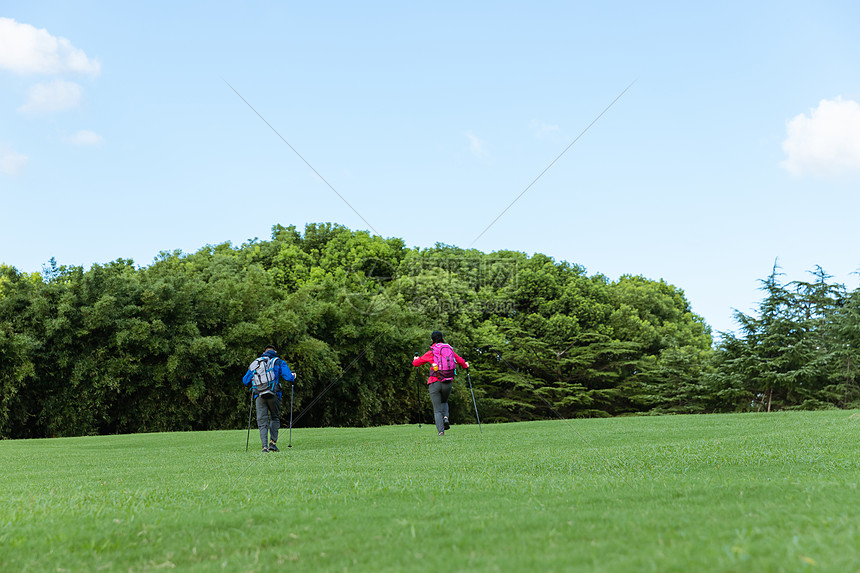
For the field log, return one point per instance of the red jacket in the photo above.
(428, 359)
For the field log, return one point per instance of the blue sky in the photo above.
(738, 144)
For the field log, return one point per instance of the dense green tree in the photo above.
(788, 354)
(163, 347)
(16, 347)
(674, 344)
(839, 347)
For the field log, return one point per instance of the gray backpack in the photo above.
(265, 380)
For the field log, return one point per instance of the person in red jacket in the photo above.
(444, 361)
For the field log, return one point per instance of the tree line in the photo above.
(120, 348)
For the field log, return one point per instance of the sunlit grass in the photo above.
(775, 492)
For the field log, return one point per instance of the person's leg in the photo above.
(275, 413)
(263, 420)
(436, 398)
(444, 392)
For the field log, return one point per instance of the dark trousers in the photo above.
(268, 412)
(439, 392)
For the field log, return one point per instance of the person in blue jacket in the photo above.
(269, 407)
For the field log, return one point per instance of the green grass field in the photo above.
(753, 492)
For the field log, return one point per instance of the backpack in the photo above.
(444, 364)
(265, 378)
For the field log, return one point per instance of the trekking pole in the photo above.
(469, 378)
(290, 445)
(250, 413)
(418, 394)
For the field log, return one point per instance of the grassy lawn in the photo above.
(753, 492)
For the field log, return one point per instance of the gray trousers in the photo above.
(439, 392)
(268, 412)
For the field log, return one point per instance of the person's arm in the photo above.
(460, 361)
(246, 379)
(426, 359)
(286, 374)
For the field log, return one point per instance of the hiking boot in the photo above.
(265, 449)
(446, 423)
(273, 447)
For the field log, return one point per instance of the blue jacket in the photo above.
(282, 371)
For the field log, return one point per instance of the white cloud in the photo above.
(48, 97)
(25, 49)
(477, 145)
(543, 130)
(825, 142)
(85, 137)
(11, 162)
